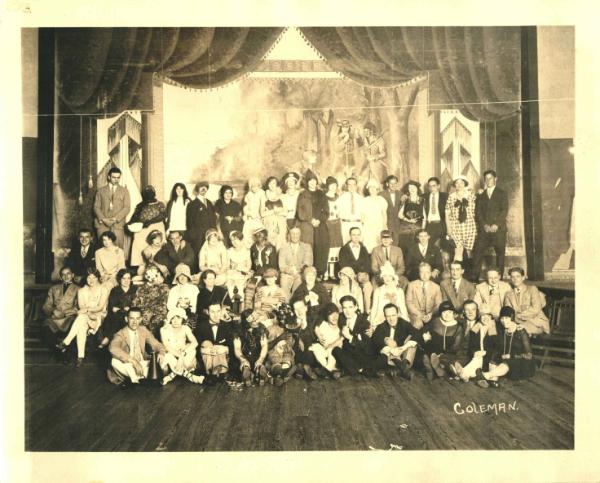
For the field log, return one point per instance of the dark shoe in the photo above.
(309, 372)
(247, 376)
(61, 346)
(336, 375)
(278, 381)
(480, 379)
(321, 372)
(453, 371)
(494, 384)
(79, 362)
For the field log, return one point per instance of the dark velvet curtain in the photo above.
(478, 67)
(102, 70)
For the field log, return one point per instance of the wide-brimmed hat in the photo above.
(290, 175)
(462, 178)
(210, 232)
(348, 271)
(176, 312)
(182, 269)
(507, 311)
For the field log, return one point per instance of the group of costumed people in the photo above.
(300, 278)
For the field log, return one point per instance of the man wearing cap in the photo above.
(490, 213)
(457, 289)
(423, 297)
(435, 210)
(492, 292)
(387, 252)
(392, 195)
(200, 216)
(528, 302)
(355, 255)
(175, 252)
(111, 207)
(350, 204)
(294, 255)
(424, 251)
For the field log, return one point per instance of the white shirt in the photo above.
(393, 197)
(392, 332)
(490, 191)
(345, 206)
(433, 200)
(423, 249)
(355, 250)
(177, 216)
(456, 284)
(132, 343)
(215, 328)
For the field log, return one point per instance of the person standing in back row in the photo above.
(490, 213)
(200, 217)
(111, 207)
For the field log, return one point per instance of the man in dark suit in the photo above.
(262, 253)
(82, 255)
(175, 252)
(424, 251)
(490, 213)
(214, 345)
(111, 207)
(355, 255)
(356, 354)
(435, 211)
(457, 290)
(396, 342)
(200, 216)
(392, 195)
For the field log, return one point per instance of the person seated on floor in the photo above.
(329, 337)
(492, 292)
(528, 302)
(119, 300)
(214, 339)
(250, 348)
(514, 357)
(482, 341)
(442, 339)
(174, 252)
(356, 354)
(423, 251)
(180, 345)
(268, 294)
(385, 253)
(397, 342)
(423, 297)
(151, 298)
(130, 361)
(213, 256)
(355, 255)
(91, 300)
(303, 334)
(313, 292)
(389, 292)
(82, 255)
(294, 256)
(184, 294)
(457, 289)
(60, 307)
(281, 357)
(347, 286)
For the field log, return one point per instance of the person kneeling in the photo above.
(213, 336)
(130, 361)
(250, 348)
(181, 346)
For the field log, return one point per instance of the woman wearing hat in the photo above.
(443, 338)
(273, 213)
(290, 197)
(269, 295)
(374, 215)
(460, 218)
(411, 214)
(251, 207)
(312, 214)
(184, 294)
(347, 286)
(388, 293)
(213, 256)
(229, 213)
(180, 345)
(151, 213)
(314, 293)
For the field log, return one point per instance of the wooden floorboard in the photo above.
(70, 409)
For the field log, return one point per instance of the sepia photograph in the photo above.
(298, 238)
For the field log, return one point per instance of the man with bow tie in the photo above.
(457, 290)
(492, 292)
(527, 302)
(214, 342)
(111, 207)
(60, 307)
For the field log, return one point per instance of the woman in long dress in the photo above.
(151, 214)
(229, 213)
(374, 216)
(274, 214)
(411, 214)
(334, 224)
(213, 256)
(290, 197)
(460, 218)
(176, 209)
(251, 209)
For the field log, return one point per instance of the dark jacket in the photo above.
(404, 329)
(360, 339)
(268, 257)
(433, 256)
(199, 218)
(492, 211)
(324, 298)
(170, 257)
(78, 264)
(363, 264)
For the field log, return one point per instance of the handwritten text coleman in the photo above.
(474, 408)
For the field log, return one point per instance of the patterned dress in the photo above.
(460, 216)
(152, 299)
(152, 215)
(334, 224)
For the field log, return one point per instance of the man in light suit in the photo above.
(111, 207)
(492, 292)
(387, 252)
(457, 290)
(528, 302)
(130, 361)
(294, 255)
(60, 307)
(392, 195)
(423, 297)
(435, 211)
(424, 251)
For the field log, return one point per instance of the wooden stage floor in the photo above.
(70, 409)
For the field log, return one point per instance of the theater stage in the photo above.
(70, 409)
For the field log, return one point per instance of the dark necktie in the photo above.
(387, 254)
(65, 287)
